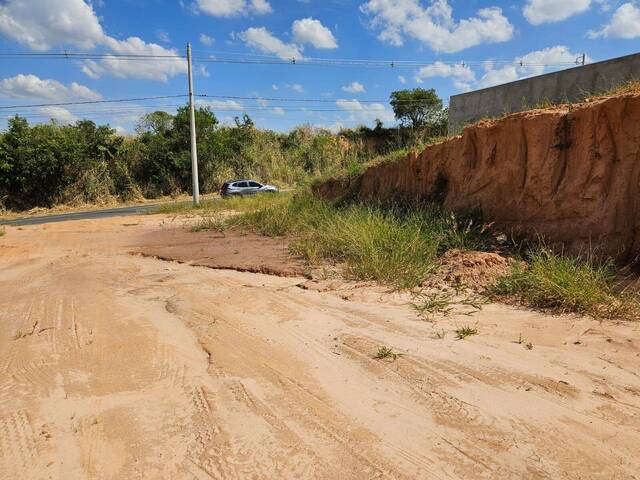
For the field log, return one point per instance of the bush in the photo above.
(43, 165)
(566, 284)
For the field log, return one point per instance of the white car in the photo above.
(246, 187)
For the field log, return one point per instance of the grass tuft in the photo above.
(566, 284)
(466, 331)
(386, 352)
(431, 304)
(216, 223)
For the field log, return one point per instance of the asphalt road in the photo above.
(93, 214)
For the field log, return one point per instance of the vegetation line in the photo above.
(402, 246)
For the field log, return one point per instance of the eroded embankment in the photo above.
(570, 174)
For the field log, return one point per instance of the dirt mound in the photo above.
(570, 174)
(231, 250)
(475, 270)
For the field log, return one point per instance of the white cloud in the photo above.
(531, 64)
(354, 87)
(261, 39)
(261, 7)
(222, 104)
(625, 23)
(277, 111)
(538, 12)
(365, 113)
(296, 87)
(59, 114)
(155, 69)
(435, 26)
(233, 8)
(402, 79)
(459, 72)
(274, 87)
(206, 40)
(31, 86)
(45, 24)
(309, 30)
(92, 69)
(202, 71)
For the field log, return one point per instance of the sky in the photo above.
(328, 63)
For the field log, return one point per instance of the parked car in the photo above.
(246, 187)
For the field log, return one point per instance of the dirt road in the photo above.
(120, 366)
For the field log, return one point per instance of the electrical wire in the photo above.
(258, 59)
(90, 102)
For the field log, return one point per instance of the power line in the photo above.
(258, 59)
(204, 96)
(90, 102)
(88, 56)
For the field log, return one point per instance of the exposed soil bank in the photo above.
(571, 174)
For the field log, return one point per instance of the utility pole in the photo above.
(584, 58)
(192, 121)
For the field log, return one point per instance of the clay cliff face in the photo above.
(571, 175)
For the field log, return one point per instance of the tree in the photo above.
(158, 122)
(417, 107)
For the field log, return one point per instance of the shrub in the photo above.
(581, 284)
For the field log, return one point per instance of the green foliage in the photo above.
(429, 304)
(564, 283)
(42, 165)
(466, 331)
(386, 353)
(49, 163)
(391, 245)
(418, 107)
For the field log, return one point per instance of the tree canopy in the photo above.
(417, 108)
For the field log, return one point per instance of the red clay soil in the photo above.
(569, 173)
(231, 250)
(475, 270)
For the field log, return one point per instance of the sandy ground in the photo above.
(121, 366)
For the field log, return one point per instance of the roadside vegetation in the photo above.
(401, 246)
(583, 284)
(391, 244)
(50, 164)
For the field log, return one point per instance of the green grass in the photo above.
(566, 284)
(210, 223)
(430, 304)
(394, 246)
(466, 331)
(239, 204)
(401, 247)
(386, 352)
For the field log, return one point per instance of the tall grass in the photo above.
(392, 245)
(578, 284)
(400, 245)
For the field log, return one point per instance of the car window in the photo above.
(254, 184)
(241, 185)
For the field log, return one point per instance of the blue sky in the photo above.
(461, 46)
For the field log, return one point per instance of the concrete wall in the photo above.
(565, 86)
